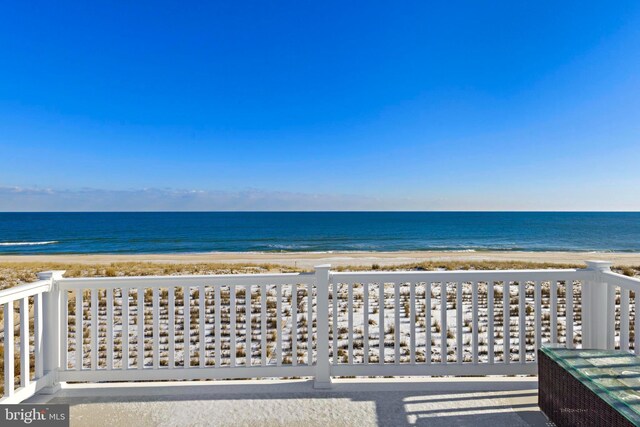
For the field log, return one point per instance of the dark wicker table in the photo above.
(589, 387)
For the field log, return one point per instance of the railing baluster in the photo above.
(24, 342)
(554, 310)
(79, 318)
(412, 322)
(9, 367)
(64, 332)
(474, 321)
(538, 315)
(522, 318)
(334, 304)
(310, 324)
(611, 319)
(278, 325)
(396, 329)
(506, 322)
(247, 325)
(443, 322)
(381, 323)
(636, 324)
(156, 327)
(294, 324)
(365, 329)
(459, 353)
(427, 322)
(569, 310)
(140, 325)
(202, 323)
(263, 324)
(186, 327)
(109, 345)
(94, 329)
(232, 324)
(335, 301)
(490, 319)
(350, 321)
(125, 328)
(624, 319)
(218, 327)
(171, 300)
(37, 335)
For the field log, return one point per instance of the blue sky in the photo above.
(320, 105)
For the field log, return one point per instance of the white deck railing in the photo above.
(186, 327)
(319, 324)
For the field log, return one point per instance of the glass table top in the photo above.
(614, 375)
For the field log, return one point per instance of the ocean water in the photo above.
(165, 232)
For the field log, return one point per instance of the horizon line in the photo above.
(329, 211)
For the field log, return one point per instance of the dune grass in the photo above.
(13, 273)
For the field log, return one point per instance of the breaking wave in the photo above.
(51, 242)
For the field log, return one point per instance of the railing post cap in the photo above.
(52, 274)
(599, 265)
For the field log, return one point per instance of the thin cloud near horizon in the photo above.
(168, 199)
(44, 199)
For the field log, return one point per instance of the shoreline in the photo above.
(337, 258)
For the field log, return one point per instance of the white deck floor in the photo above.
(486, 401)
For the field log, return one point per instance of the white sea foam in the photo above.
(51, 242)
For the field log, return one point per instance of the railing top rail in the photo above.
(26, 290)
(630, 283)
(456, 275)
(184, 280)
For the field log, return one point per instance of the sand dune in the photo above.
(309, 259)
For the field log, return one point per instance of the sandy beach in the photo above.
(310, 259)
